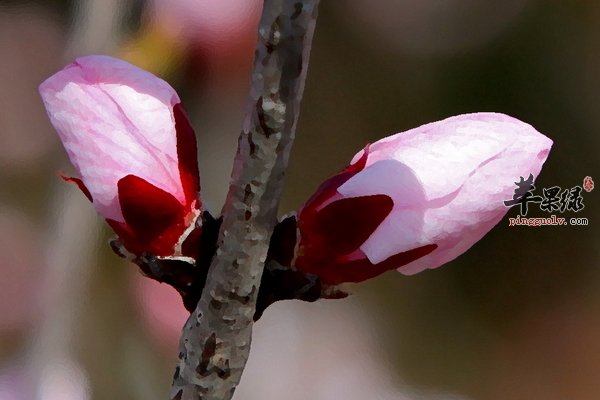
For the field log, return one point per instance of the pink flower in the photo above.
(127, 135)
(418, 199)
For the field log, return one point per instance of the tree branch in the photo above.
(215, 340)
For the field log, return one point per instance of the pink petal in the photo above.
(115, 119)
(448, 181)
(187, 154)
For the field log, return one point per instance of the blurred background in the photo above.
(516, 317)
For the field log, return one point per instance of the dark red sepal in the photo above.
(187, 154)
(336, 271)
(151, 214)
(126, 235)
(394, 262)
(329, 188)
(343, 225)
(79, 184)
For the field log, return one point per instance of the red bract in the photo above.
(418, 199)
(127, 135)
(332, 228)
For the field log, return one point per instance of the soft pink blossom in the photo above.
(218, 23)
(417, 199)
(128, 138)
(218, 35)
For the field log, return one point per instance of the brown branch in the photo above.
(215, 340)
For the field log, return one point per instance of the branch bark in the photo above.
(215, 340)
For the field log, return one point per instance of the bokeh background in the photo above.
(516, 317)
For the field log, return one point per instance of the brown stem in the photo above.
(215, 340)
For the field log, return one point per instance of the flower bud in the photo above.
(129, 139)
(417, 199)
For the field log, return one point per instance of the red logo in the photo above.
(588, 184)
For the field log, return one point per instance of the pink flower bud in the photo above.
(127, 135)
(417, 199)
